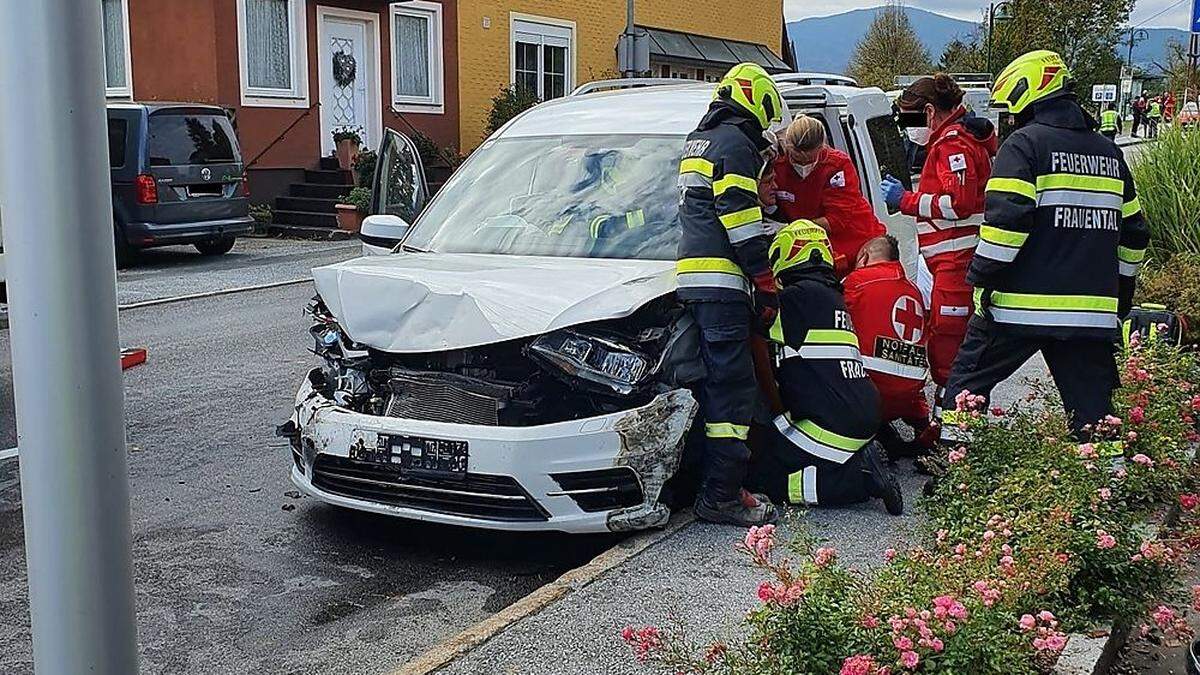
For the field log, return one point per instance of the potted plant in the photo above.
(347, 139)
(352, 208)
(364, 167)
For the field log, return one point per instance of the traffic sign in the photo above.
(1105, 93)
(1194, 44)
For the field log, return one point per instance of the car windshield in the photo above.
(181, 138)
(572, 196)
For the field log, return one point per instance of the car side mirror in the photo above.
(381, 233)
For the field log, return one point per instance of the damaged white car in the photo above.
(519, 362)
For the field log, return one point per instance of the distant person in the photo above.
(1154, 116)
(1169, 107)
(816, 182)
(1139, 114)
(890, 320)
(1110, 122)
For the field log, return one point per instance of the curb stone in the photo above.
(446, 652)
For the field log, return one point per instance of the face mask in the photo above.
(918, 135)
(803, 170)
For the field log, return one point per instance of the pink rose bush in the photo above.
(1030, 534)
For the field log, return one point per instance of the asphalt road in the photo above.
(235, 573)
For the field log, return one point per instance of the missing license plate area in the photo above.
(417, 456)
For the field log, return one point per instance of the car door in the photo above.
(878, 150)
(398, 194)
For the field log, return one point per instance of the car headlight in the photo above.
(602, 363)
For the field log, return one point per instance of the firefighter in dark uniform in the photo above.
(1058, 253)
(824, 452)
(725, 280)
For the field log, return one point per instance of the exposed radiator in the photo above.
(445, 397)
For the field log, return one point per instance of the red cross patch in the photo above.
(908, 319)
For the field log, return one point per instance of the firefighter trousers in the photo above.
(728, 395)
(1084, 370)
(786, 473)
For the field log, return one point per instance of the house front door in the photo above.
(348, 71)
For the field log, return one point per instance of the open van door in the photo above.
(879, 151)
(398, 194)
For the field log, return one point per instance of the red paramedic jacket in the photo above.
(949, 200)
(889, 318)
(831, 191)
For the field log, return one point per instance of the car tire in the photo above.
(126, 254)
(218, 246)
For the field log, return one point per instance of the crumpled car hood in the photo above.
(425, 302)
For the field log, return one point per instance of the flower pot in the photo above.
(347, 150)
(349, 218)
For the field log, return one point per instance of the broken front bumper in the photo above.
(597, 474)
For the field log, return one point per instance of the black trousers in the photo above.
(1084, 370)
(786, 473)
(728, 395)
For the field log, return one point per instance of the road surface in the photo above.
(235, 573)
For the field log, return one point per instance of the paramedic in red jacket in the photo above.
(889, 319)
(948, 203)
(813, 181)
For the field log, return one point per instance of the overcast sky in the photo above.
(1177, 12)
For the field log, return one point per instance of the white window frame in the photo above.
(435, 102)
(526, 21)
(297, 95)
(127, 90)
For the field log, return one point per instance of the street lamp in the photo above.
(1004, 9)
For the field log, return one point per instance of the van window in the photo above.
(889, 148)
(117, 130)
(182, 138)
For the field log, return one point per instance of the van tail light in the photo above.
(245, 186)
(147, 189)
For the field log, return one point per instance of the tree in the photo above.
(889, 48)
(1084, 32)
(962, 56)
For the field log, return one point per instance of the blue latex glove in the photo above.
(892, 190)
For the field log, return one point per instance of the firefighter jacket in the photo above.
(948, 202)
(1064, 233)
(889, 319)
(722, 244)
(832, 191)
(832, 406)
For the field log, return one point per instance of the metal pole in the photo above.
(991, 27)
(54, 191)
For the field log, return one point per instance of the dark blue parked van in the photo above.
(177, 178)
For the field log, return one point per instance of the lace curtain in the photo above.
(268, 44)
(411, 36)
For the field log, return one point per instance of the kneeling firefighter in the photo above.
(1059, 251)
(724, 278)
(824, 452)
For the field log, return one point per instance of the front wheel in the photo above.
(218, 246)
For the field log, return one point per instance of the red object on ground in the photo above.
(134, 356)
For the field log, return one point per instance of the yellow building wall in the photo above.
(483, 39)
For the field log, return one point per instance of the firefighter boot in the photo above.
(881, 483)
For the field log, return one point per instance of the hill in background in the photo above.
(825, 43)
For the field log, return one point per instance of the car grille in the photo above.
(601, 490)
(443, 397)
(476, 495)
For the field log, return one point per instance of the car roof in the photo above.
(152, 106)
(670, 109)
